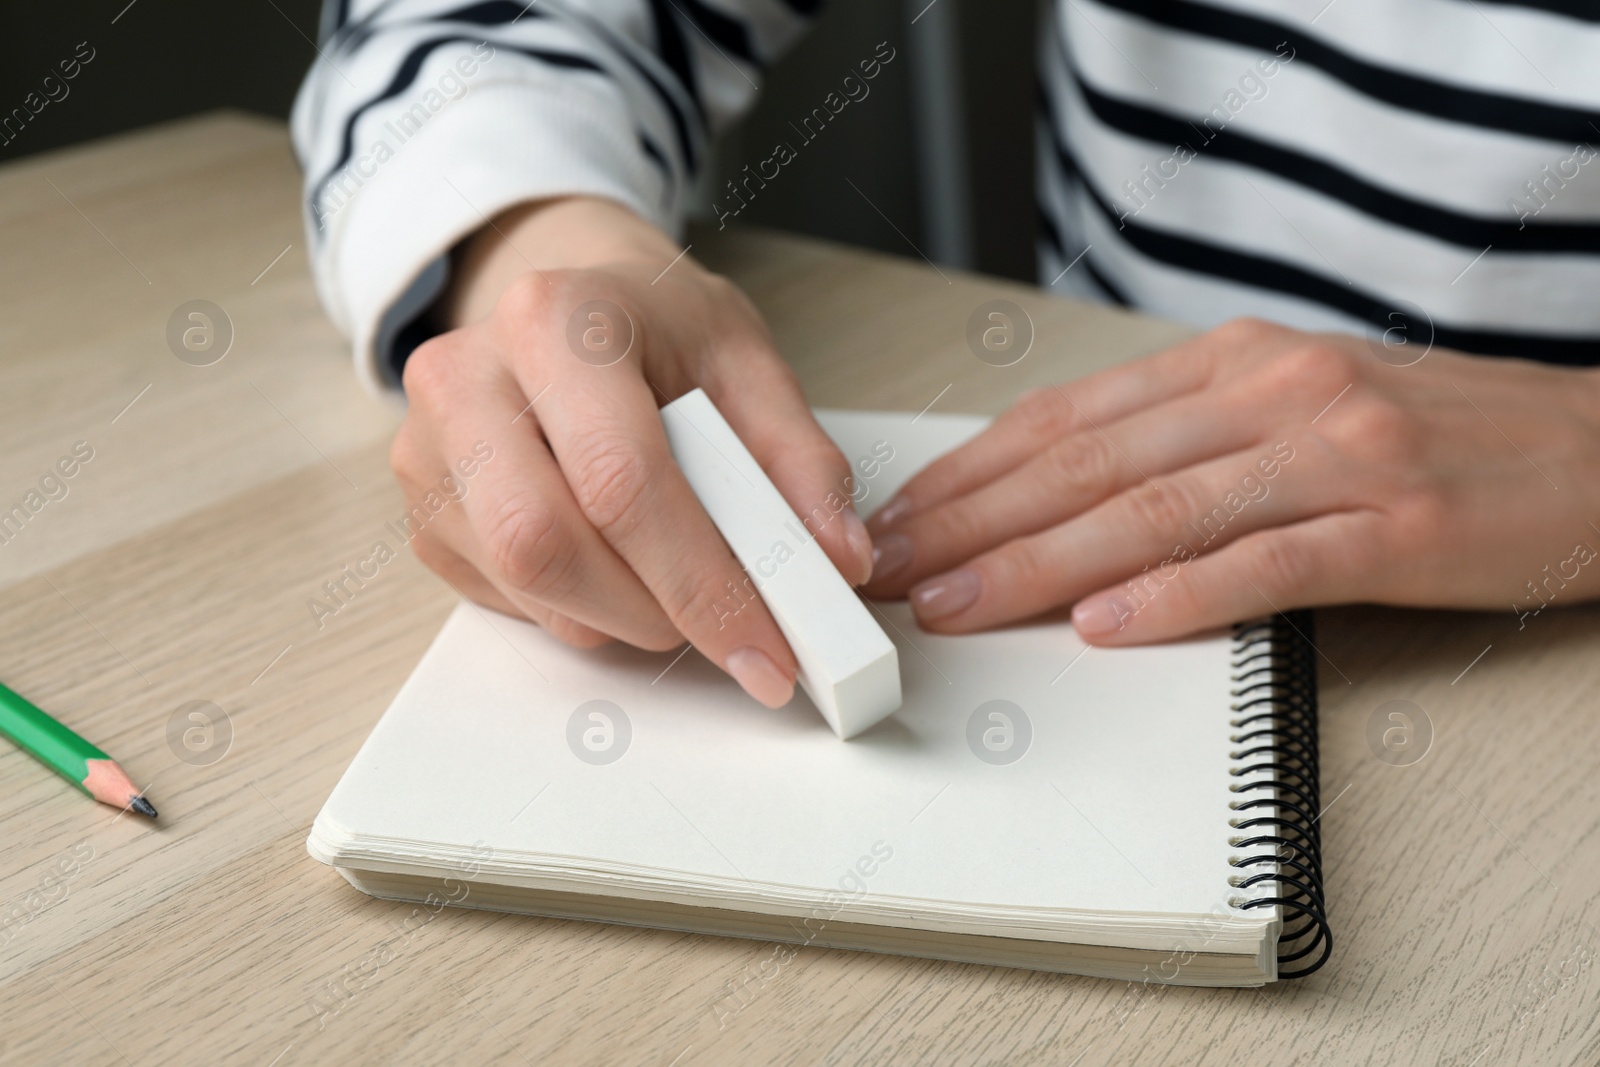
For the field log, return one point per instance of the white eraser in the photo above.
(848, 665)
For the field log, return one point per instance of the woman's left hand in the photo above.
(1256, 469)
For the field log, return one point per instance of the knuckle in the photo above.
(613, 479)
(1381, 429)
(428, 370)
(721, 291)
(822, 455)
(527, 550)
(1044, 412)
(951, 526)
(735, 316)
(1247, 328)
(1423, 514)
(1319, 368)
(532, 299)
(1024, 564)
(1084, 463)
(1161, 507)
(1035, 403)
(723, 285)
(838, 487)
(1277, 562)
(541, 304)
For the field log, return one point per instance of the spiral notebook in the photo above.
(1141, 814)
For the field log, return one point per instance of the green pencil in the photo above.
(69, 755)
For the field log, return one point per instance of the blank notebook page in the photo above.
(1117, 811)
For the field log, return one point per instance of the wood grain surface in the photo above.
(172, 580)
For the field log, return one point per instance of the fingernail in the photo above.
(860, 542)
(940, 597)
(760, 677)
(891, 554)
(892, 512)
(1096, 618)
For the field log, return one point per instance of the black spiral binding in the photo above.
(1275, 812)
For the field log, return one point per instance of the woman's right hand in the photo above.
(572, 331)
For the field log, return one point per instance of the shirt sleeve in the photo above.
(422, 119)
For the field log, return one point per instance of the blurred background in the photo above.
(942, 146)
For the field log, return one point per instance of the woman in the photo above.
(492, 190)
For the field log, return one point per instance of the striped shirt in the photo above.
(1426, 166)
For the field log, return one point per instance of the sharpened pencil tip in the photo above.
(143, 806)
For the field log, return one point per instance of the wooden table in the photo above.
(219, 498)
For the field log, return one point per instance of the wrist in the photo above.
(565, 233)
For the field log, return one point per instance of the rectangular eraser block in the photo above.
(848, 665)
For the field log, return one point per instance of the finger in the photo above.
(522, 528)
(605, 430)
(470, 584)
(517, 523)
(1156, 525)
(1096, 401)
(1324, 560)
(769, 413)
(1068, 477)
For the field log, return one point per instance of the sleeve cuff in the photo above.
(401, 205)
